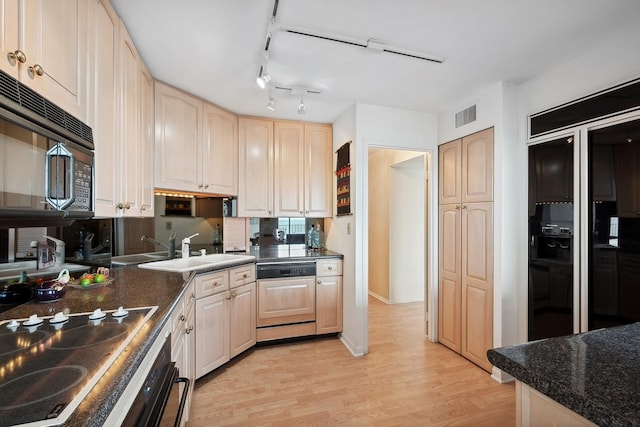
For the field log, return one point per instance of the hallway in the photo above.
(404, 381)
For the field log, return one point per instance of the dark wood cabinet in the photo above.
(603, 182)
(604, 283)
(629, 286)
(554, 171)
(627, 174)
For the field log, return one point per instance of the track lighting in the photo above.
(263, 80)
(271, 105)
(301, 108)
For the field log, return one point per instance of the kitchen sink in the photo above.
(203, 262)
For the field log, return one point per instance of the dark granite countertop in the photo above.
(595, 374)
(132, 287)
(290, 253)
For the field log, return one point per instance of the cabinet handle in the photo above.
(457, 207)
(269, 211)
(182, 317)
(36, 70)
(18, 56)
(245, 275)
(200, 186)
(233, 294)
(189, 330)
(144, 207)
(228, 296)
(193, 295)
(215, 284)
(206, 186)
(329, 268)
(319, 282)
(464, 207)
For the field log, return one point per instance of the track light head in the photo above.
(271, 105)
(263, 80)
(301, 108)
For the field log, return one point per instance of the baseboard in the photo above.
(379, 297)
(353, 349)
(500, 376)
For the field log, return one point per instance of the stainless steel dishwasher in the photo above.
(286, 299)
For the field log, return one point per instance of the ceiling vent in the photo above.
(466, 116)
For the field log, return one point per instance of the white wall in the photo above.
(369, 125)
(407, 231)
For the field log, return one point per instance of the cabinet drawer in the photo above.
(212, 283)
(329, 267)
(604, 257)
(242, 275)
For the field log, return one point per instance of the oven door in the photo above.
(159, 401)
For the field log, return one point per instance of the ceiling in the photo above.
(214, 48)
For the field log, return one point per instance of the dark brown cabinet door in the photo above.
(554, 171)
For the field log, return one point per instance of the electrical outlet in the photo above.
(168, 225)
(348, 228)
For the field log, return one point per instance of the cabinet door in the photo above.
(212, 333)
(255, 179)
(328, 304)
(54, 35)
(450, 172)
(220, 151)
(130, 138)
(289, 169)
(104, 111)
(291, 300)
(9, 36)
(554, 171)
(318, 167)
(242, 324)
(178, 136)
(477, 282)
(604, 182)
(477, 167)
(146, 158)
(449, 299)
(604, 283)
(627, 160)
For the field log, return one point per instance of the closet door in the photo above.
(450, 277)
(477, 282)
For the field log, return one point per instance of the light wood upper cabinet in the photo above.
(104, 109)
(450, 164)
(53, 37)
(477, 167)
(220, 151)
(297, 182)
(289, 169)
(178, 136)
(9, 36)
(196, 144)
(255, 181)
(120, 101)
(318, 167)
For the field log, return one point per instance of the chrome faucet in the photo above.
(186, 245)
(171, 248)
(88, 250)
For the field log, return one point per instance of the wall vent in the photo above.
(466, 116)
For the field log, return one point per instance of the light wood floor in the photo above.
(405, 380)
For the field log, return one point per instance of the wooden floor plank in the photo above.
(405, 380)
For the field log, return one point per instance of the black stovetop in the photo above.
(47, 369)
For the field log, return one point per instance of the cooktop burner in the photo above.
(48, 365)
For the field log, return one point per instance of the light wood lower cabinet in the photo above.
(225, 316)
(328, 296)
(183, 345)
(534, 409)
(286, 301)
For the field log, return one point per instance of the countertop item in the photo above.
(200, 263)
(132, 287)
(594, 374)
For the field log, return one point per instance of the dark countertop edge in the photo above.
(592, 411)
